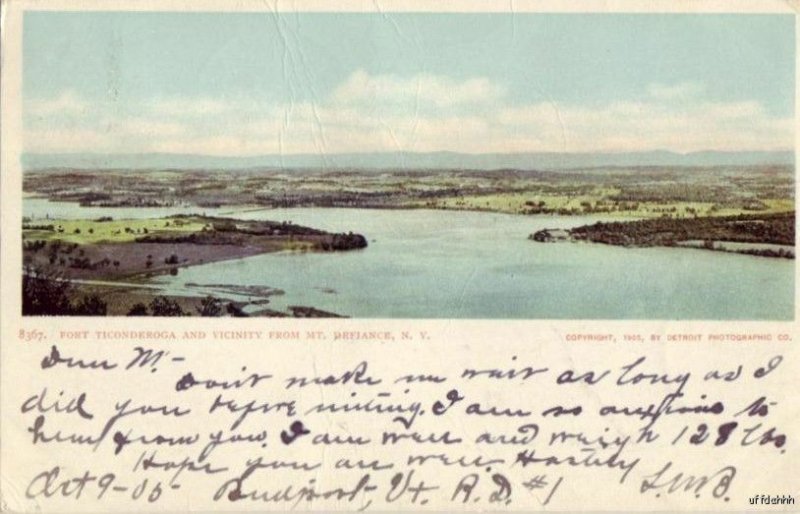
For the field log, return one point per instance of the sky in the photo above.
(264, 83)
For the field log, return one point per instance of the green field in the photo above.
(597, 202)
(84, 232)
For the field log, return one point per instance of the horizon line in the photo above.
(412, 152)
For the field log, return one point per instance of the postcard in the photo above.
(398, 256)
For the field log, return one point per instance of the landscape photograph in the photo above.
(409, 165)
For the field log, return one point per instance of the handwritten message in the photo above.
(376, 420)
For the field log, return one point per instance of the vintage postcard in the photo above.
(398, 256)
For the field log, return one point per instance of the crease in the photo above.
(561, 125)
(321, 390)
(275, 18)
(388, 17)
(310, 81)
(513, 20)
(463, 292)
(290, 66)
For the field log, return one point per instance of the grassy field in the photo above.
(66, 262)
(653, 204)
(598, 202)
(116, 249)
(627, 192)
(115, 231)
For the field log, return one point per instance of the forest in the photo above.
(765, 229)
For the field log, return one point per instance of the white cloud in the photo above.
(67, 103)
(420, 113)
(66, 140)
(681, 90)
(186, 106)
(361, 87)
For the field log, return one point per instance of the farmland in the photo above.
(636, 192)
(61, 252)
(105, 263)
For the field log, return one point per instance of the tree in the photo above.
(210, 307)
(44, 293)
(163, 306)
(91, 305)
(138, 309)
(48, 294)
(236, 311)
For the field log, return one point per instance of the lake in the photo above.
(448, 264)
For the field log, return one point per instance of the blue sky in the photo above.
(227, 83)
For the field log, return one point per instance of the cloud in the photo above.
(361, 87)
(420, 113)
(67, 103)
(151, 127)
(649, 125)
(682, 90)
(186, 106)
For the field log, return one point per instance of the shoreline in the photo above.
(768, 235)
(233, 209)
(78, 261)
(122, 297)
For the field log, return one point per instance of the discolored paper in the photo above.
(398, 256)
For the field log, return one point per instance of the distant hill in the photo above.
(404, 160)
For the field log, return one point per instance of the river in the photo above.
(449, 264)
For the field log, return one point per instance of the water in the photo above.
(446, 264)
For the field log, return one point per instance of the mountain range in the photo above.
(404, 160)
